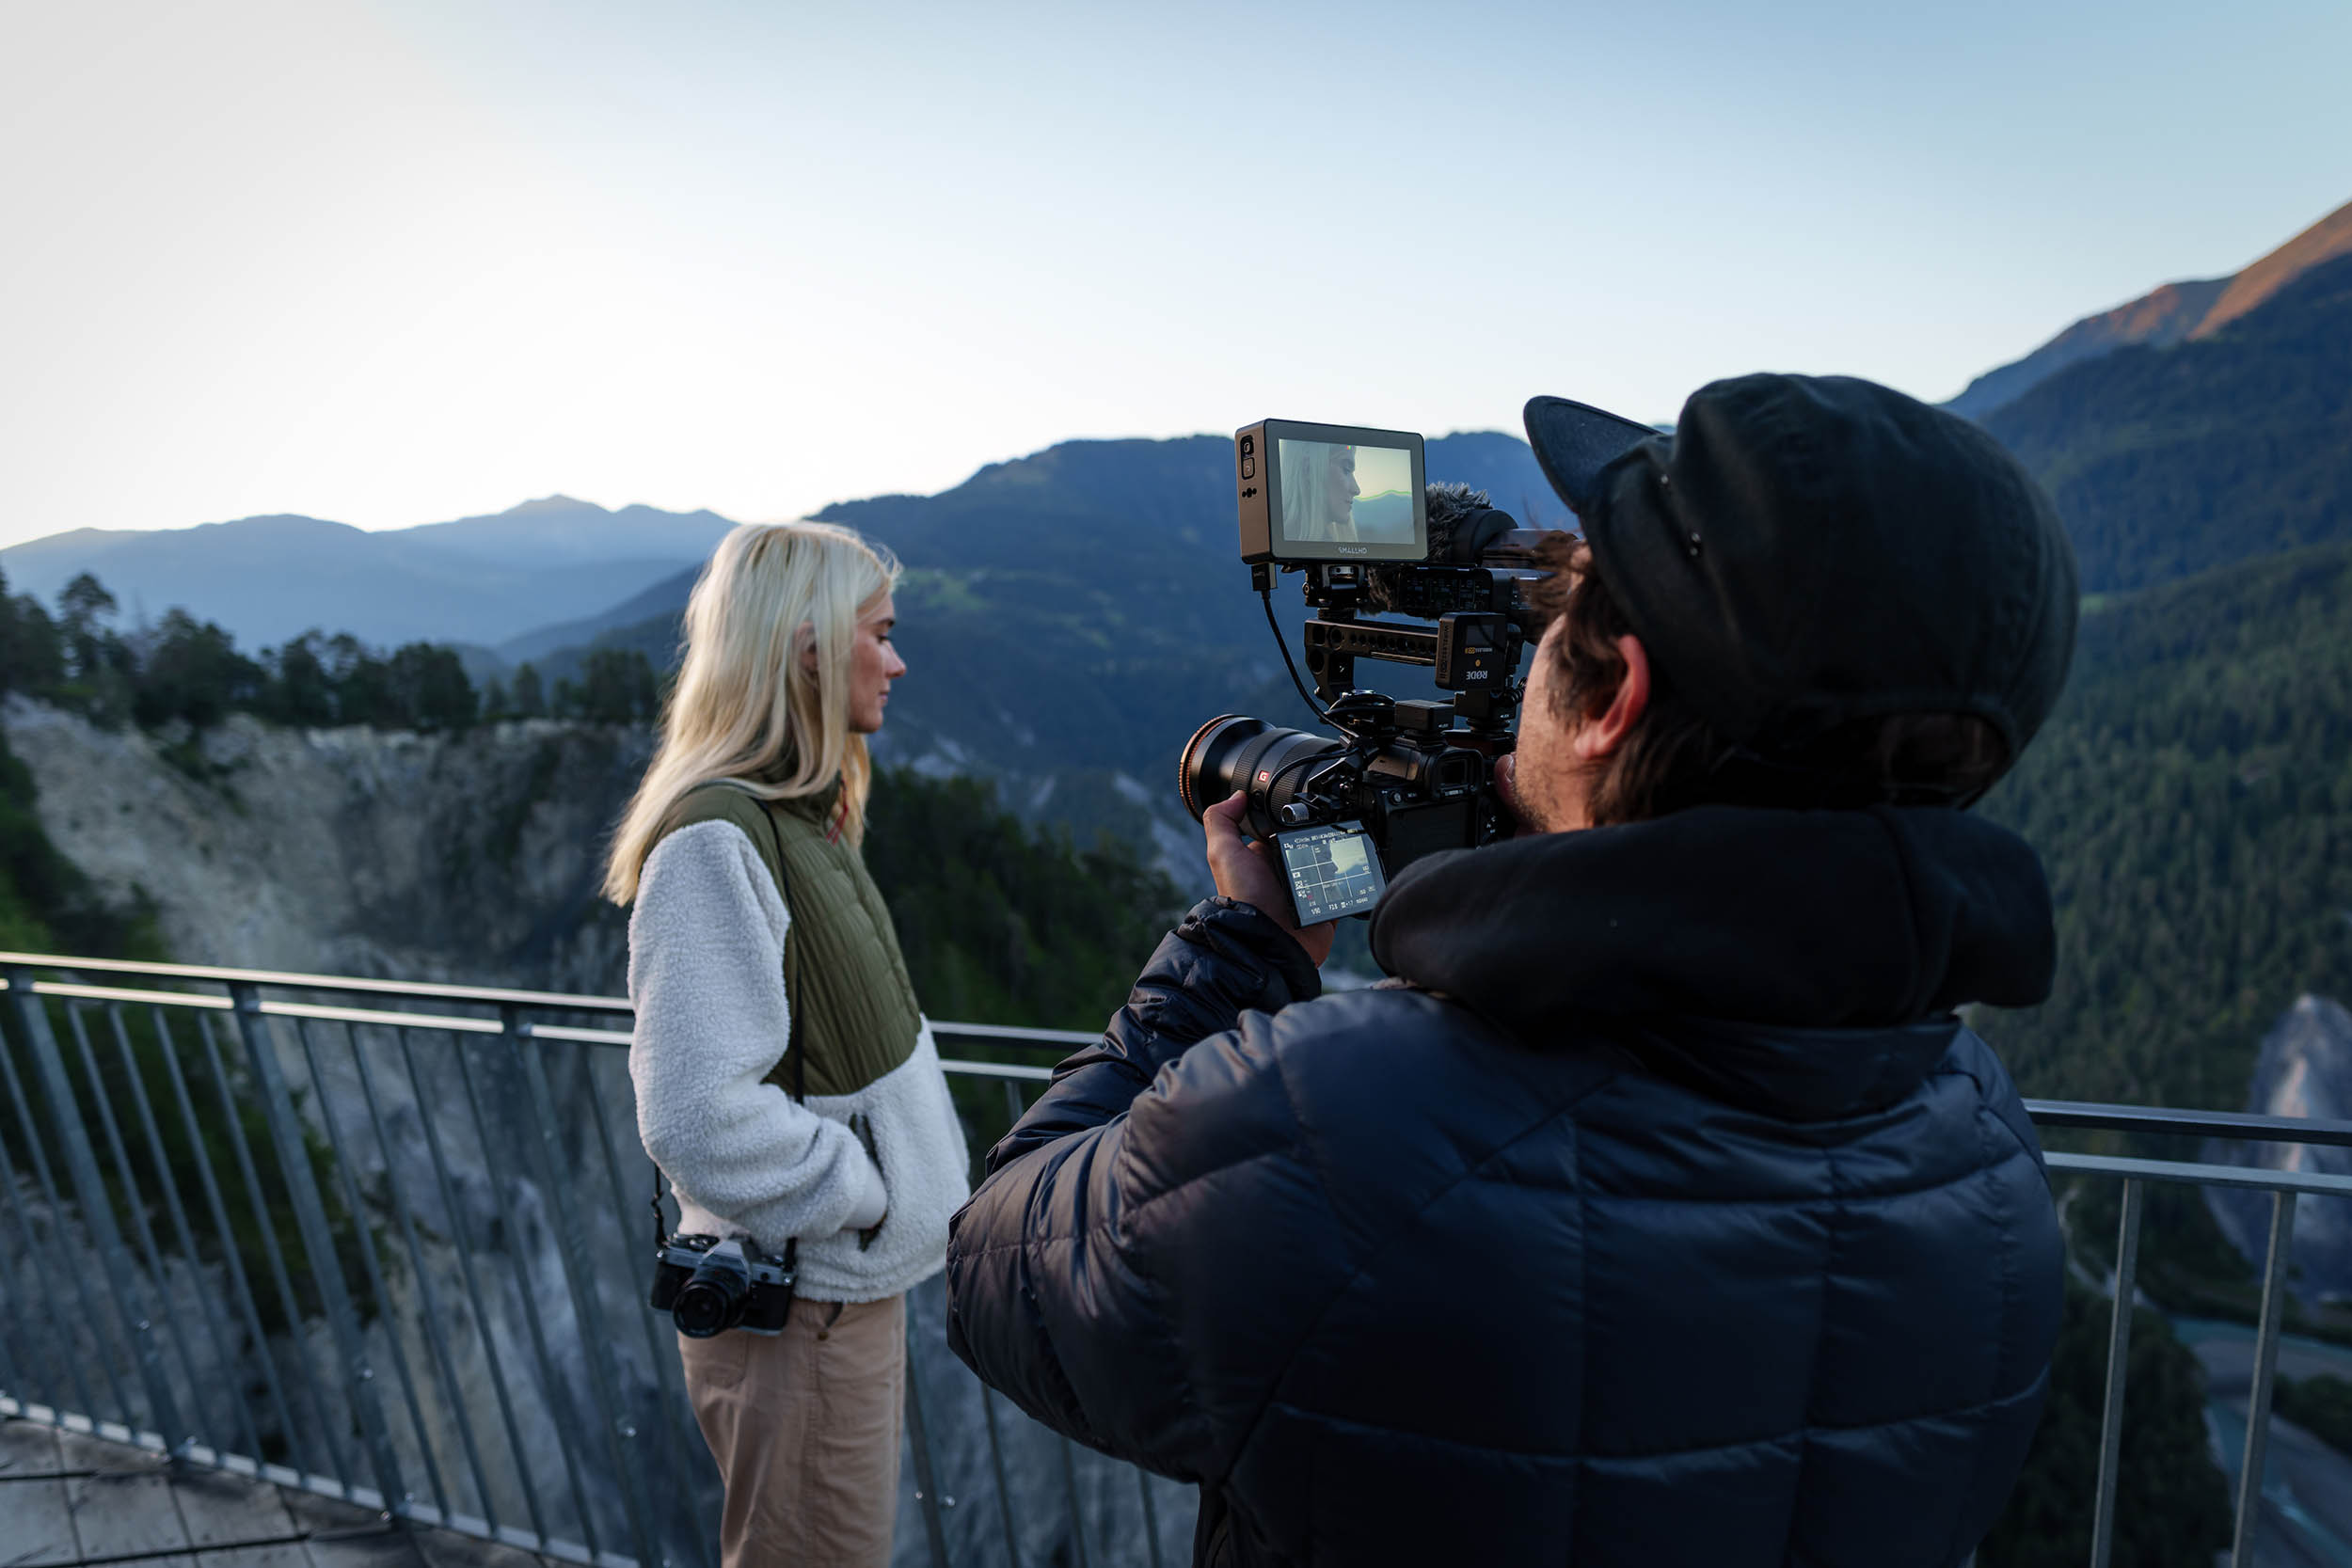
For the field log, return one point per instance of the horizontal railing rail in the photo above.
(265, 1191)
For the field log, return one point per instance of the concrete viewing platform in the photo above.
(70, 1499)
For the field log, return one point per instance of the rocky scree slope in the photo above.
(470, 857)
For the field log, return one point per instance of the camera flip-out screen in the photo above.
(1319, 492)
(1333, 871)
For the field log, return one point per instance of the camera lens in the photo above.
(1232, 751)
(712, 1301)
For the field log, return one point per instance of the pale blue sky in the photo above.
(394, 263)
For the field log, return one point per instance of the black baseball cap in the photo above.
(1804, 552)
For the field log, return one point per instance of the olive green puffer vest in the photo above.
(844, 977)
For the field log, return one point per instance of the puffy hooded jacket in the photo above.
(1665, 1213)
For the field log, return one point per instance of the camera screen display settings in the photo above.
(1332, 871)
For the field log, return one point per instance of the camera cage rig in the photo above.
(1483, 627)
(1444, 592)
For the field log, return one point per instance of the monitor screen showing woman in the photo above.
(1340, 494)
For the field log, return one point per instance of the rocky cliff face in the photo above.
(2305, 1070)
(470, 858)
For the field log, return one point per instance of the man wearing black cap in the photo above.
(1661, 1211)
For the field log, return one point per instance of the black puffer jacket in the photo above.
(1675, 1219)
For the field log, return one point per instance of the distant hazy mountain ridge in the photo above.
(2173, 313)
(472, 580)
(2165, 461)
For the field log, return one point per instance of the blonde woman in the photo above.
(752, 906)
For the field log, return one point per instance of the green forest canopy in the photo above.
(186, 671)
(2192, 799)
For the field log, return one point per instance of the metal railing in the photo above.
(387, 1243)
(372, 1238)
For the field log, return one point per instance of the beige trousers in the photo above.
(805, 1426)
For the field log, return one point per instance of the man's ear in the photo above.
(1599, 737)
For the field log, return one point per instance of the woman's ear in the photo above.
(805, 640)
(1600, 736)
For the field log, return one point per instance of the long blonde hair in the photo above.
(744, 708)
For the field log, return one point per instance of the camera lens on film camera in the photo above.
(712, 1301)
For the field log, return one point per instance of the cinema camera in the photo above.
(1351, 509)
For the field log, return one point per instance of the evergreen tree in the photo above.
(98, 664)
(192, 670)
(2172, 1507)
(616, 687)
(32, 655)
(84, 606)
(302, 692)
(362, 685)
(1003, 923)
(528, 702)
(429, 689)
(2321, 1405)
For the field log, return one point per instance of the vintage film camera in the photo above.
(1350, 509)
(710, 1285)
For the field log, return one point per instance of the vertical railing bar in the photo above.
(356, 1199)
(1069, 1492)
(2119, 1353)
(11, 1379)
(229, 1256)
(1004, 1486)
(1013, 1108)
(925, 1478)
(251, 1176)
(521, 1272)
(596, 1346)
(2249, 1480)
(1151, 1516)
(33, 1027)
(60, 1344)
(677, 1445)
(156, 1281)
(318, 1243)
(482, 1326)
(182, 1231)
(434, 1341)
(130, 1281)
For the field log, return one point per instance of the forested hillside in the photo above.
(1001, 923)
(2192, 798)
(2167, 461)
(1070, 618)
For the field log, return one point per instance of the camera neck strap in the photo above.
(791, 1045)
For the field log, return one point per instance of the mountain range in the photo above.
(1070, 616)
(2167, 461)
(2173, 313)
(476, 579)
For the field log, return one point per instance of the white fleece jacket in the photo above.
(705, 971)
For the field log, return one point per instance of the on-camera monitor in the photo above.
(1333, 871)
(1338, 492)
